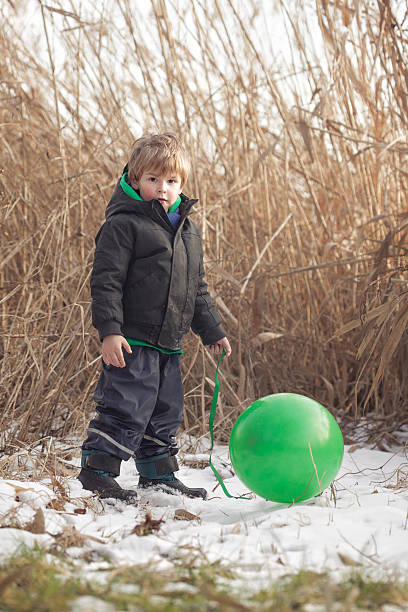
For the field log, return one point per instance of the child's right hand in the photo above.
(112, 350)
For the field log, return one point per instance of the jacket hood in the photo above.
(121, 202)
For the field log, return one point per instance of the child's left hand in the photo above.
(219, 346)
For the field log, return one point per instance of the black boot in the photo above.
(97, 474)
(158, 472)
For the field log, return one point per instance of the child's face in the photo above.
(154, 185)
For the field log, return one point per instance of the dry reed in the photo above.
(301, 173)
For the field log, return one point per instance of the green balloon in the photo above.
(286, 447)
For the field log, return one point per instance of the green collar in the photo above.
(133, 194)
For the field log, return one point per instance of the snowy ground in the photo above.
(365, 525)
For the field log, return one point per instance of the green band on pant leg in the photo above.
(166, 477)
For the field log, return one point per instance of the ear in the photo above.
(134, 183)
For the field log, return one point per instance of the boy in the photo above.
(148, 289)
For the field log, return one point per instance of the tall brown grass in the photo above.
(300, 167)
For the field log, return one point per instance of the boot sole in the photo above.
(166, 488)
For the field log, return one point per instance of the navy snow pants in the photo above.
(140, 406)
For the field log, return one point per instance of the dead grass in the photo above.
(35, 580)
(300, 167)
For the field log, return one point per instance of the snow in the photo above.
(365, 523)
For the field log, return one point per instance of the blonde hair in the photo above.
(160, 152)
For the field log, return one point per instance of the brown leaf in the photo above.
(185, 515)
(148, 526)
(56, 504)
(355, 447)
(80, 510)
(71, 537)
(19, 490)
(37, 525)
(347, 560)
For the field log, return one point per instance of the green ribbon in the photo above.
(211, 426)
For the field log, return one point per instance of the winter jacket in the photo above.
(147, 280)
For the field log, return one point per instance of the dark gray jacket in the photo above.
(147, 280)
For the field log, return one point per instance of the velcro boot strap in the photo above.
(102, 461)
(154, 467)
(166, 465)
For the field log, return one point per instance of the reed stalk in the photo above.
(300, 167)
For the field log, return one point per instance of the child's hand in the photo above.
(219, 346)
(112, 350)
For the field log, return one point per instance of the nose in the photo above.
(162, 186)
